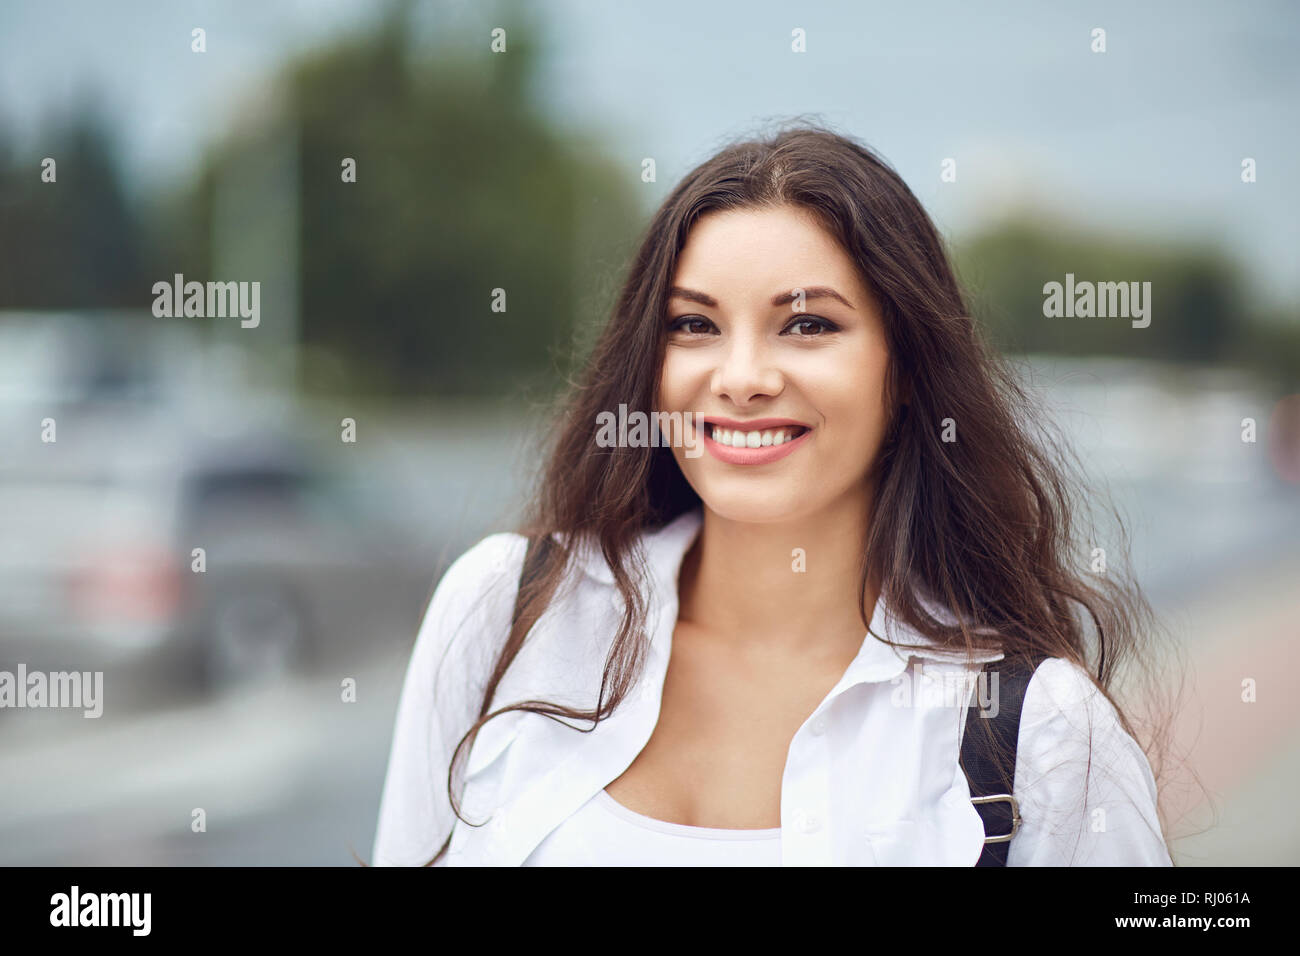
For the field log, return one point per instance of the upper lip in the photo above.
(753, 424)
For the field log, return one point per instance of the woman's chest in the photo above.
(718, 753)
(852, 769)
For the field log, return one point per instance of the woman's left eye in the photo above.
(812, 325)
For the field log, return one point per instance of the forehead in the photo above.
(759, 251)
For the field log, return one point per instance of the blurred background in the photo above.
(220, 156)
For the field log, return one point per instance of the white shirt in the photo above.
(868, 780)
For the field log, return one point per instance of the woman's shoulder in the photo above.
(1066, 720)
(441, 694)
(1085, 786)
(476, 591)
(1061, 690)
(494, 558)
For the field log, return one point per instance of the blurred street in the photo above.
(289, 774)
(1247, 755)
(286, 771)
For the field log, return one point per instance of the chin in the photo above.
(776, 505)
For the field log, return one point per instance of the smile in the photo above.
(754, 445)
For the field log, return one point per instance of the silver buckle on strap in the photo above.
(1015, 815)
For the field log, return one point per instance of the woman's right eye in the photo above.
(691, 325)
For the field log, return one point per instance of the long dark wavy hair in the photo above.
(987, 525)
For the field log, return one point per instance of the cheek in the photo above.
(849, 392)
(679, 381)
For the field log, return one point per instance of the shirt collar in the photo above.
(665, 548)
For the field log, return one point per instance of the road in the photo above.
(287, 774)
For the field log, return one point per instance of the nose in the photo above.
(746, 372)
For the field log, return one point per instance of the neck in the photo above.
(742, 580)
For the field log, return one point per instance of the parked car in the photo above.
(213, 535)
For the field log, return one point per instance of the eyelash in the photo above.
(826, 325)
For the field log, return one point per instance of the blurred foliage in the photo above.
(1200, 308)
(75, 241)
(464, 185)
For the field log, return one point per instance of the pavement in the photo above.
(1246, 755)
(285, 774)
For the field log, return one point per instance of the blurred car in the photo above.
(210, 531)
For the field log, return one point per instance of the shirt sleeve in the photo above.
(1085, 788)
(464, 626)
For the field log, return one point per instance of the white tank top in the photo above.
(603, 832)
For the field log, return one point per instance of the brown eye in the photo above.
(813, 325)
(691, 325)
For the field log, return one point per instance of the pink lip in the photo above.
(753, 456)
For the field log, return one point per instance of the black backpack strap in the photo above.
(991, 791)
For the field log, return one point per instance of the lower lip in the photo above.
(762, 455)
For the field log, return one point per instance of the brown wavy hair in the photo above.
(987, 525)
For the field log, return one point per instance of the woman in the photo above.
(718, 658)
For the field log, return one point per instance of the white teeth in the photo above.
(735, 438)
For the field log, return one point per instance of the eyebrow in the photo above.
(784, 298)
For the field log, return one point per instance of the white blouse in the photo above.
(871, 778)
(605, 833)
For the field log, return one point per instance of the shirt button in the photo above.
(805, 822)
(818, 726)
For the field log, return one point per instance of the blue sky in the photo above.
(1147, 137)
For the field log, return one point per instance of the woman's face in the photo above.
(806, 387)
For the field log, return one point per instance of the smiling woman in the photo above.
(742, 353)
(730, 626)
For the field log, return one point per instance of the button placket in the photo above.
(806, 792)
